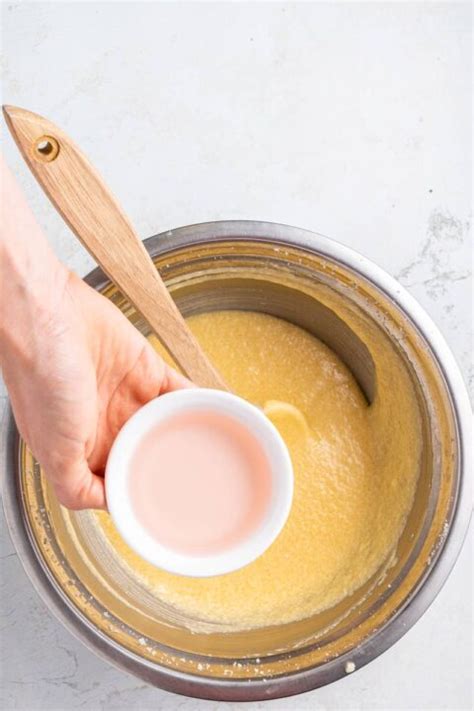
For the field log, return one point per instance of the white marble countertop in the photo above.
(348, 119)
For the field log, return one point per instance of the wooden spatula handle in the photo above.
(93, 214)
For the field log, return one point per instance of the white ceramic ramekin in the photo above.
(117, 482)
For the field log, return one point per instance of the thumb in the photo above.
(173, 380)
(157, 377)
(78, 488)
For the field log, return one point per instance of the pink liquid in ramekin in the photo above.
(200, 482)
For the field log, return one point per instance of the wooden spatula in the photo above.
(95, 217)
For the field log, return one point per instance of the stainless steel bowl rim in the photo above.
(298, 682)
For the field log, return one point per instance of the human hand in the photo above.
(74, 366)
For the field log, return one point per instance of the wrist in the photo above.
(32, 280)
(30, 298)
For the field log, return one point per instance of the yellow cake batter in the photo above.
(354, 482)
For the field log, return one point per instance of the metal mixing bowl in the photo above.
(276, 269)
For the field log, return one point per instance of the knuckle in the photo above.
(73, 497)
(68, 500)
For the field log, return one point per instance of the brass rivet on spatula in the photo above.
(45, 149)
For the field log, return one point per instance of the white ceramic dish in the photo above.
(117, 482)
